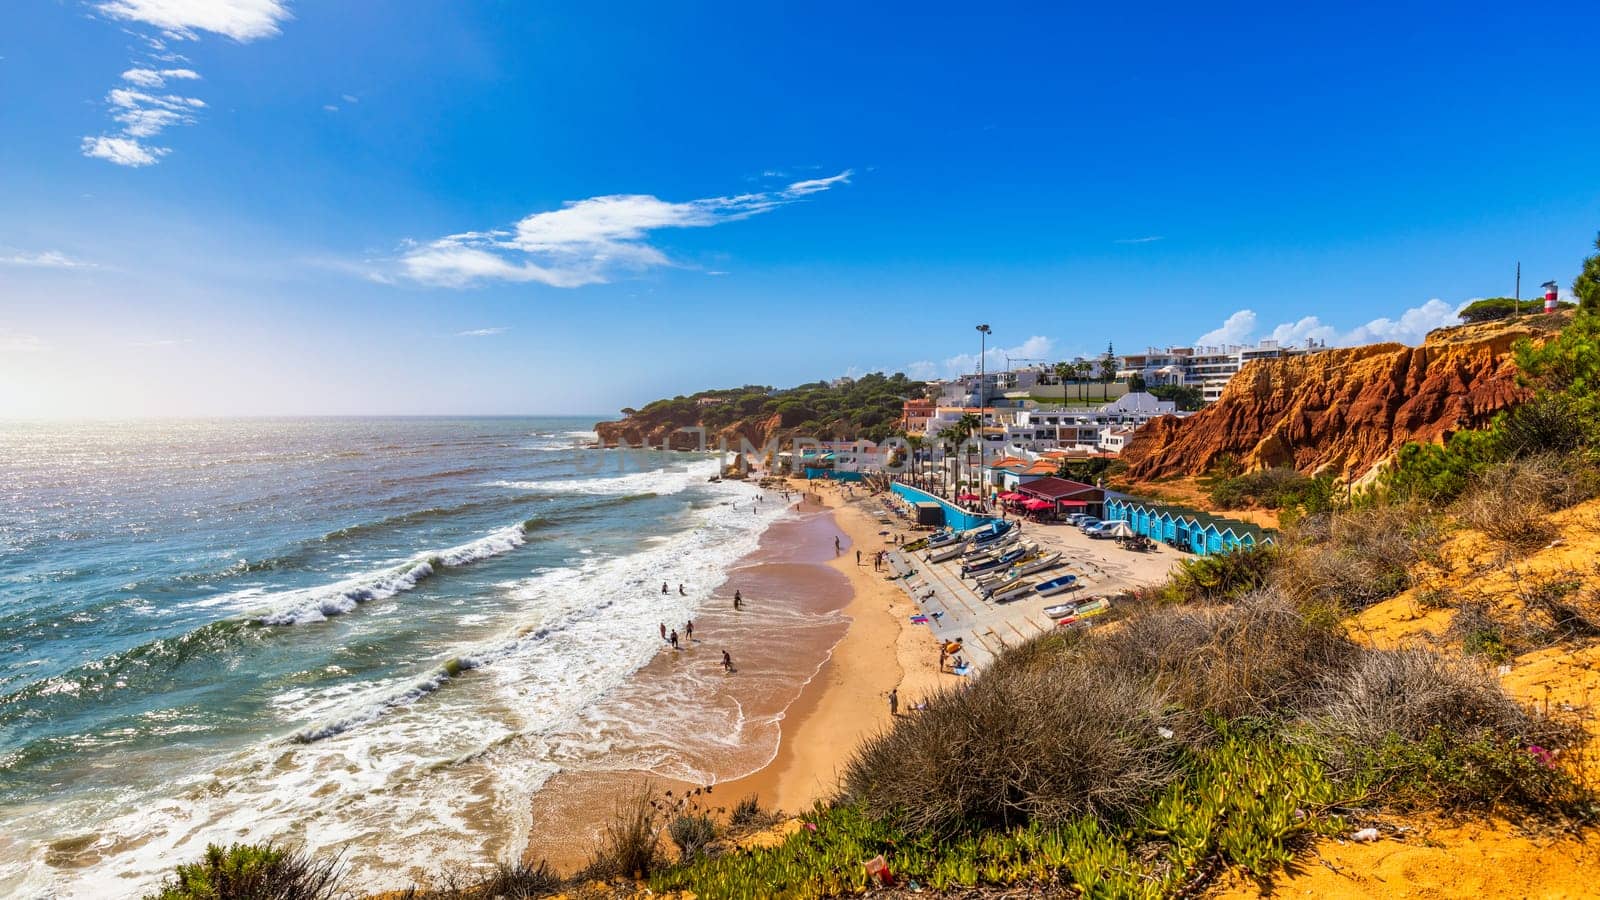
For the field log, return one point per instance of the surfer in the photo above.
(727, 662)
(673, 638)
(737, 601)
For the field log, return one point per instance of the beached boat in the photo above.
(1037, 563)
(1005, 559)
(1016, 589)
(990, 533)
(1056, 586)
(1003, 545)
(949, 551)
(1086, 611)
(941, 538)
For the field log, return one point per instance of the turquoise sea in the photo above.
(370, 635)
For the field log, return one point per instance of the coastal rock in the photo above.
(1344, 411)
(669, 433)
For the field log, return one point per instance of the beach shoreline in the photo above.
(842, 703)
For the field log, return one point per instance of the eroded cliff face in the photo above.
(1347, 410)
(667, 433)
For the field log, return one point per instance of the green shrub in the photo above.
(1277, 488)
(1220, 577)
(747, 813)
(1502, 307)
(1480, 632)
(253, 872)
(692, 833)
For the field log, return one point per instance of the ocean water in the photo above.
(373, 636)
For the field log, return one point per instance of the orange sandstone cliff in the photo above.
(1344, 411)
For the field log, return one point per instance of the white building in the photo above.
(1208, 368)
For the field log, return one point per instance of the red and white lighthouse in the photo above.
(1549, 296)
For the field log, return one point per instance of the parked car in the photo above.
(1077, 518)
(1099, 529)
(1087, 523)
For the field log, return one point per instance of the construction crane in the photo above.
(1022, 359)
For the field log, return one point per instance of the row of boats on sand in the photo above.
(998, 562)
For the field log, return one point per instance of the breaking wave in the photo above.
(321, 603)
(661, 482)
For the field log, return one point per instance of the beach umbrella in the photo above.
(1037, 504)
(968, 498)
(1120, 530)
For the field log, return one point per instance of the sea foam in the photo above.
(321, 603)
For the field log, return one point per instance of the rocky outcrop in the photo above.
(1347, 410)
(670, 433)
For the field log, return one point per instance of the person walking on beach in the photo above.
(673, 638)
(688, 631)
(858, 557)
(894, 702)
(663, 631)
(837, 547)
(727, 662)
(737, 601)
(681, 591)
(663, 587)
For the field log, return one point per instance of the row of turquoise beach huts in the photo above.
(1195, 532)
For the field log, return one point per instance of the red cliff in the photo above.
(1346, 410)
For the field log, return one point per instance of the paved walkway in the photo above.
(986, 627)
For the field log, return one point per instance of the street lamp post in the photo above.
(983, 386)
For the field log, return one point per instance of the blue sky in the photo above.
(282, 206)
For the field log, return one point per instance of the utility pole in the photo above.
(1516, 304)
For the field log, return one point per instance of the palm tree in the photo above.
(948, 436)
(1064, 371)
(914, 442)
(1081, 370)
(970, 424)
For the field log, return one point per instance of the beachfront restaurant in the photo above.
(1199, 533)
(1061, 496)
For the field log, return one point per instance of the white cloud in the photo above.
(143, 115)
(350, 98)
(481, 332)
(17, 342)
(922, 370)
(123, 151)
(329, 107)
(156, 78)
(242, 20)
(1236, 330)
(1410, 328)
(586, 241)
(1139, 240)
(48, 259)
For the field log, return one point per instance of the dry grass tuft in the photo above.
(1410, 691)
(1258, 655)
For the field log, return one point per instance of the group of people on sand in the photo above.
(677, 643)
